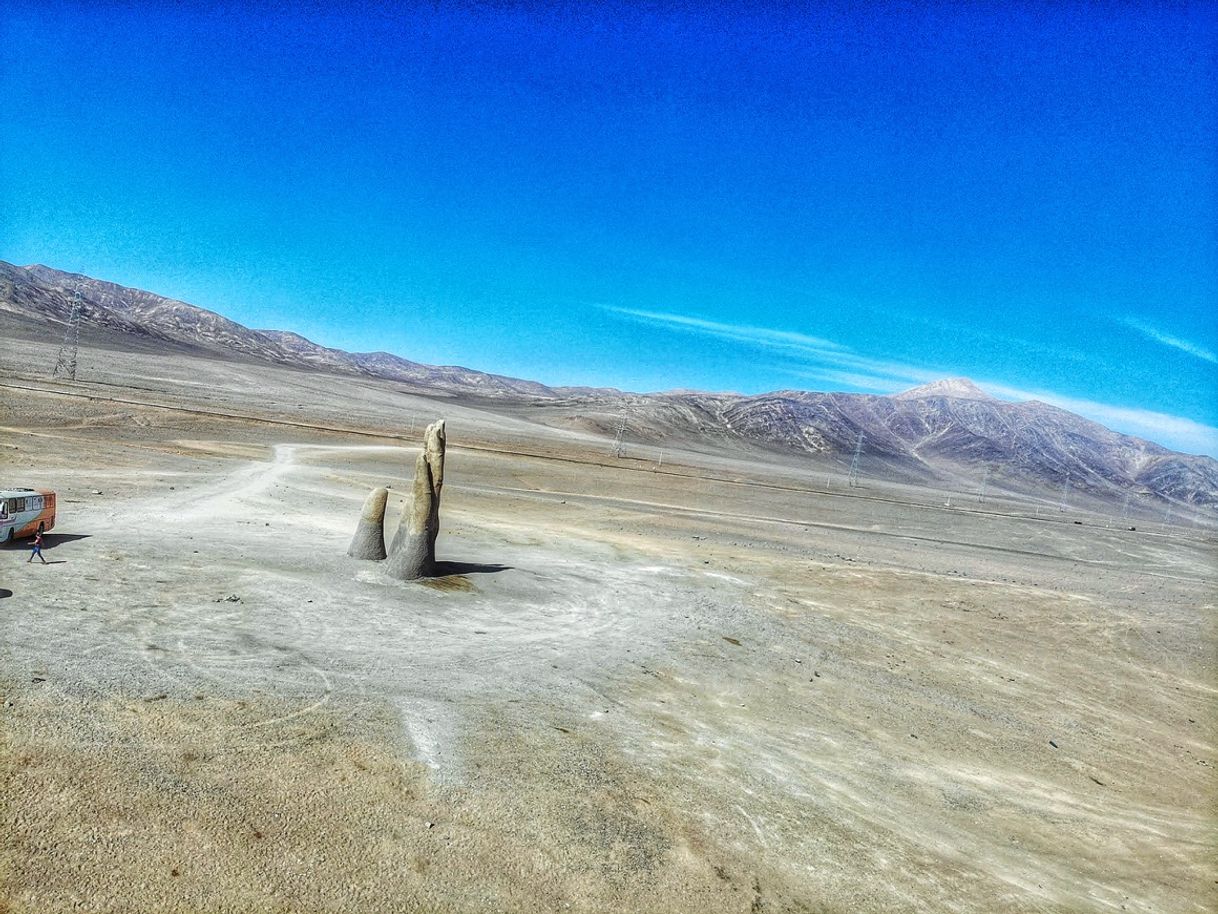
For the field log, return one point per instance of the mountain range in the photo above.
(947, 428)
(42, 292)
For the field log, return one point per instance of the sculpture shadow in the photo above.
(443, 569)
(5, 592)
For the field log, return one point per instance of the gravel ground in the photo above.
(702, 690)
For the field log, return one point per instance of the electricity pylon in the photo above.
(619, 445)
(65, 364)
(854, 464)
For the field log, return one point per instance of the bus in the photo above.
(24, 512)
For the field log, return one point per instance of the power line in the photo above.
(619, 444)
(65, 364)
(1125, 508)
(854, 464)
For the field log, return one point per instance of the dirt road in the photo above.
(634, 692)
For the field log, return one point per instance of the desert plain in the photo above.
(712, 681)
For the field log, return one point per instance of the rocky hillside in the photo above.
(44, 293)
(949, 428)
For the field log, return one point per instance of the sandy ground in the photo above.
(709, 687)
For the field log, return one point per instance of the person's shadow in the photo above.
(5, 592)
(49, 541)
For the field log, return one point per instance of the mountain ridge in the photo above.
(960, 388)
(950, 426)
(135, 310)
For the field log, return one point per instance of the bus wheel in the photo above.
(8, 540)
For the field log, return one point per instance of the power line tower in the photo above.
(65, 364)
(1065, 494)
(984, 482)
(619, 444)
(854, 464)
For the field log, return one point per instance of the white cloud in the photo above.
(1175, 342)
(763, 337)
(882, 377)
(851, 379)
(821, 353)
(894, 375)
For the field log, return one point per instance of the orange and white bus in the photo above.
(24, 512)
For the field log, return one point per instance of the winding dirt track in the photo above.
(706, 691)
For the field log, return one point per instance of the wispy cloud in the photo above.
(813, 357)
(825, 360)
(865, 374)
(867, 382)
(1166, 339)
(763, 337)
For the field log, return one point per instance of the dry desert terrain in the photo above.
(723, 684)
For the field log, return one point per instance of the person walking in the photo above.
(36, 550)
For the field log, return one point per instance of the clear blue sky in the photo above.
(857, 197)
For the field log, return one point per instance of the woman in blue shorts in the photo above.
(37, 549)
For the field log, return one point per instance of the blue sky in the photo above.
(748, 197)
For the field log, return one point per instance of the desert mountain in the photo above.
(947, 428)
(42, 292)
(959, 388)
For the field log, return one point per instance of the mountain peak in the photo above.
(959, 388)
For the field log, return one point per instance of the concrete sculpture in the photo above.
(369, 540)
(413, 551)
(412, 554)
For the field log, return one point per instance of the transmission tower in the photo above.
(1065, 494)
(854, 464)
(619, 444)
(984, 482)
(65, 365)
